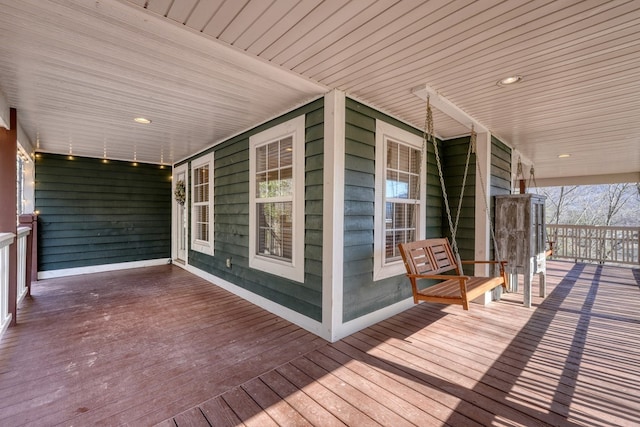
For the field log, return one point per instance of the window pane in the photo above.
(261, 158)
(402, 171)
(401, 225)
(414, 164)
(202, 222)
(392, 155)
(272, 155)
(403, 158)
(413, 187)
(201, 184)
(286, 183)
(276, 177)
(275, 230)
(399, 219)
(261, 185)
(286, 152)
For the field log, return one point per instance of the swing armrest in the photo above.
(502, 263)
(481, 262)
(438, 276)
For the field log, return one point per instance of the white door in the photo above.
(179, 249)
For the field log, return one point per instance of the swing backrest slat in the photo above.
(428, 257)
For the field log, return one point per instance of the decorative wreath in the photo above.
(180, 192)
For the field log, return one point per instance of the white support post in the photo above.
(333, 221)
(483, 205)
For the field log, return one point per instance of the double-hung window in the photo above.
(400, 196)
(202, 204)
(276, 216)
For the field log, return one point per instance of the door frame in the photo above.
(178, 172)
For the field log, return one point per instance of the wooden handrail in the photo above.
(601, 244)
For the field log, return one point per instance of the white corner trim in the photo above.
(372, 318)
(63, 272)
(333, 208)
(279, 310)
(483, 203)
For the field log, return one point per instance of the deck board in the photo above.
(159, 346)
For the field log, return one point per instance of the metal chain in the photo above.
(431, 134)
(497, 254)
(464, 180)
(532, 178)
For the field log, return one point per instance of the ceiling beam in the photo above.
(619, 178)
(438, 101)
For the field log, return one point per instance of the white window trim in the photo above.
(293, 270)
(196, 244)
(386, 131)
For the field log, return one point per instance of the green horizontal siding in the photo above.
(94, 213)
(361, 294)
(454, 157)
(231, 218)
(500, 176)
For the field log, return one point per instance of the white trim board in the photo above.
(333, 206)
(317, 328)
(372, 318)
(294, 317)
(64, 272)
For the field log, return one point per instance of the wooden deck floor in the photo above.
(159, 345)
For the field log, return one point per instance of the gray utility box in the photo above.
(521, 239)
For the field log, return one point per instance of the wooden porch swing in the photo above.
(436, 259)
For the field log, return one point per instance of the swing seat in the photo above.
(434, 259)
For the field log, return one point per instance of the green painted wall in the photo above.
(94, 213)
(361, 294)
(454, 156)
(500, 176)
(500, 168)
(231, 217)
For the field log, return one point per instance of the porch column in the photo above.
(483, 204)
(333, 219)
(8, 207)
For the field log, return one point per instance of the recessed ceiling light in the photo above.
(563, 156)
(509, 80)
(142, 120)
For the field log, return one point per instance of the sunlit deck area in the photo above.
(162, 346)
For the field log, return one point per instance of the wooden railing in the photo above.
(601, 244)
(6, 239)
(23, 274)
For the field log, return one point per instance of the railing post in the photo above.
(31, 221)
(6, 317)
(8, 196)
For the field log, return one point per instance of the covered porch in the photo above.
(160, 345)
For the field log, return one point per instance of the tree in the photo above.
(617, 197)
(557, 199)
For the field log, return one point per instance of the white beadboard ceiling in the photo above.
(78, 72)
